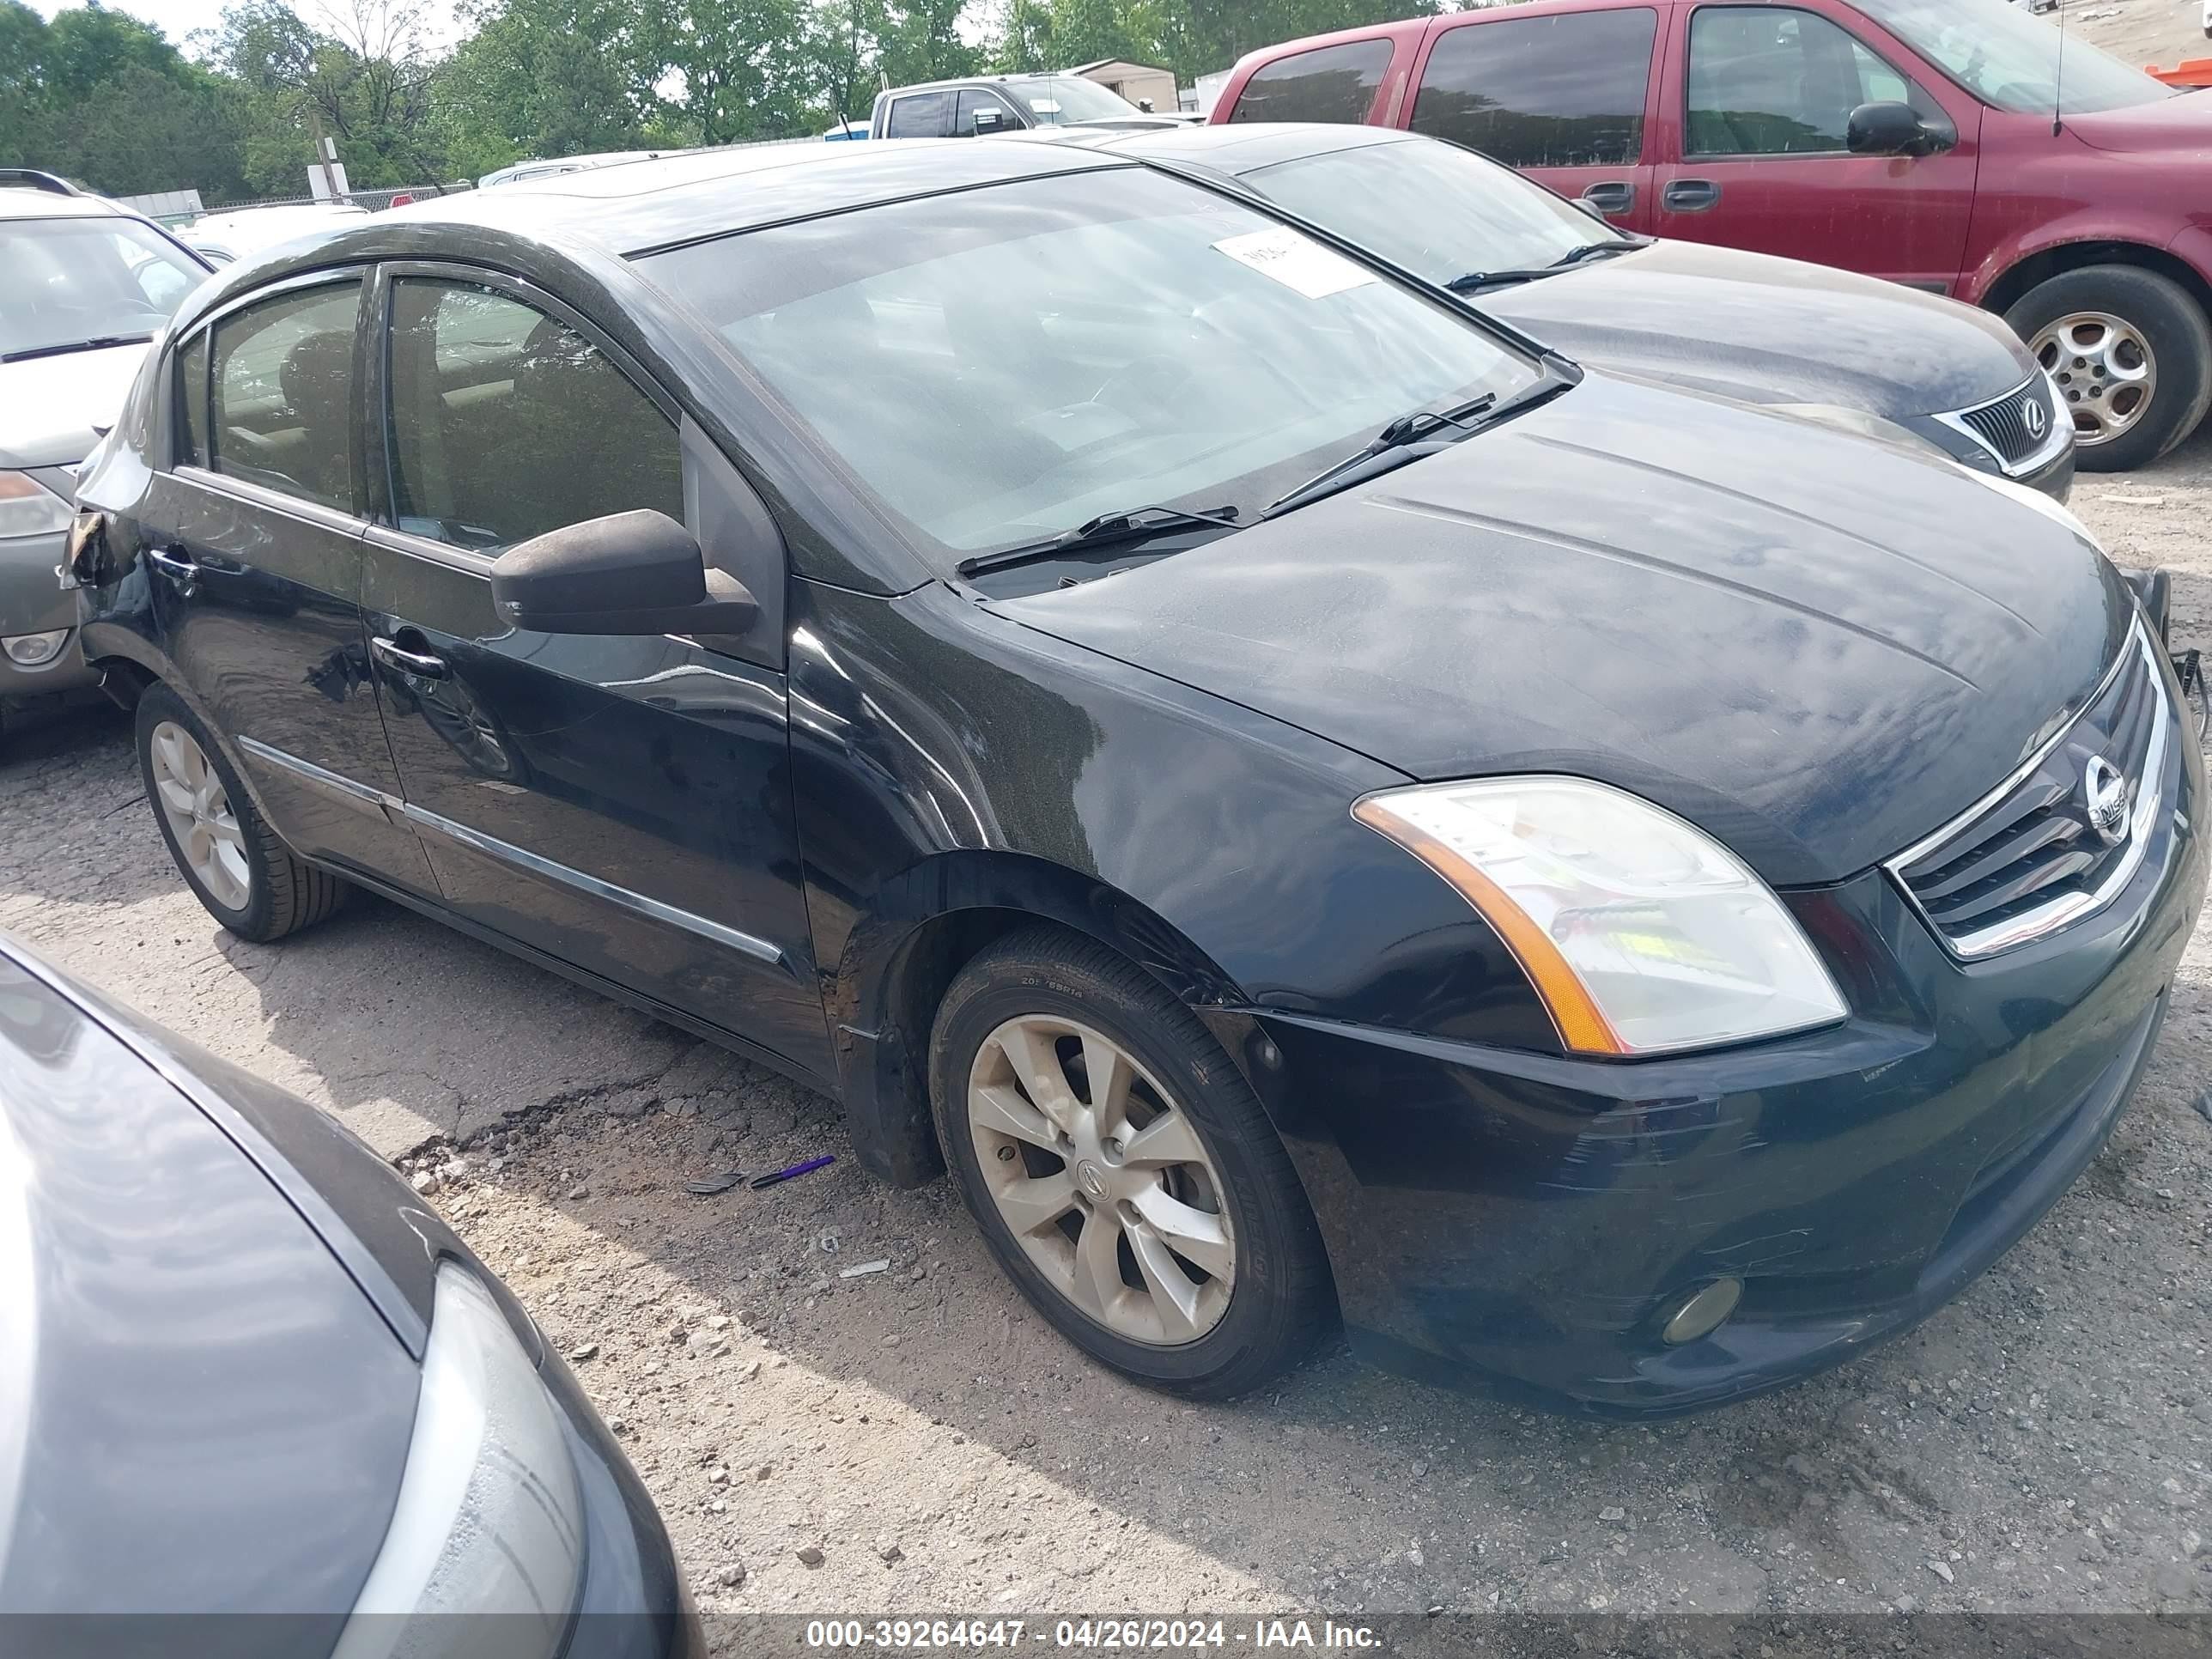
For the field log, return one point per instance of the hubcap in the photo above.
(197, 807)
(2104, 370)
(1103, 1179)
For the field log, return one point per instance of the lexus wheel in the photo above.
(246, 878)
(1122, 1171)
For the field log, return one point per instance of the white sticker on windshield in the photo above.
(1296, 261)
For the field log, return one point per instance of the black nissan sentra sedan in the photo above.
(1831, 345)
(257, 1399)
(1306, 800)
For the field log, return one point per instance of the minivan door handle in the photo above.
(1689, 195)
(420, 664)
(1611, 198)
(184, 572)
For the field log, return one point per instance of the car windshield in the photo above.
(66, 282)
(1057, 99)
(2006, 57)
(1004, 364)
(1436, 210)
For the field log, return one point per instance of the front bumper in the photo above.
(1526, 1225)
(32, 601)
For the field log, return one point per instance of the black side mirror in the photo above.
(988, 121)
(1887, 130)
(629, 573)
(1145, 104)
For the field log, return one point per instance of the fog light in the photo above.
(35, 650)
(1703, 1312)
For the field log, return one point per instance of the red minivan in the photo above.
(1951, 145)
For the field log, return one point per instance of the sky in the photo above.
(179, 18)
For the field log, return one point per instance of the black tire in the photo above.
(283, 895)
(2170, 321)
(1282, 1301)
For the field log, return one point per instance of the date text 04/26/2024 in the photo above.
(1102, 1635)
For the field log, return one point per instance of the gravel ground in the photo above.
(915, 1440)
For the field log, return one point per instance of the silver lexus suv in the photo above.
(84, 284)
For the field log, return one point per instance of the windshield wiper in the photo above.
(1406, 439)
(96, 344)
(1475, 280)
(1135, 524)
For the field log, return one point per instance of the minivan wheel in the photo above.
(2131, 353)
(234, 863)
(1122, 1171)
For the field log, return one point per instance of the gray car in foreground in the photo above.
(84, 284)
(1829, 345)
(255, 1397)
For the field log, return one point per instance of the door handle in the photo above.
(1689, 195)
(420, 664)
(178, 567)
(1611, 198)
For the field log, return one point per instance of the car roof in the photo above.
(630, 208)
(1238, 148)
(992, 80)
(23, 202)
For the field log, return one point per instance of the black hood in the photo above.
(1765, 330)
(1817, 646)
(200, 1411)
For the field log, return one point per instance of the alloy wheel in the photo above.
(1102, 1180)
(2104, 370)
(200, 816)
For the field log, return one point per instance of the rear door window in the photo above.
(1330, 83)
(1561, 91)
(920, 115)
(507, 422)
(283, 394)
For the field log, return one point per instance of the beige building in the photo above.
(1134, 81)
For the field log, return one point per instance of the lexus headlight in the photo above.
(490, 1517)
(1641, 933)
(27, 507)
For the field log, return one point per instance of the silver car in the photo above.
(84, 284)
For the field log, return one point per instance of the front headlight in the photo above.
(27, 507)
(1641, 933)
(491, 1516)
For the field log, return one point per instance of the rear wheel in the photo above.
(2131, 353)
(1122, 1171)
(246, 878)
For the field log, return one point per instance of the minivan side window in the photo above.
(1768, 81)
(506, 423)
(1561, 91)
(1330, 83)
(920, 115)
(283, 394)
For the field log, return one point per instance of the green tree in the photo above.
(544, 77)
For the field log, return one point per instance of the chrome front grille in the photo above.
(2032, 856)
(2021, 429)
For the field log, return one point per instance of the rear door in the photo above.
(622, 804)
(1563, 96)
(256, 571)
(1759, 96)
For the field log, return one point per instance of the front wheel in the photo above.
(2130, 354)
(1122, 1171)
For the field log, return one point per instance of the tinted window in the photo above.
(507, 423)
(1768, 82)
(283, 394)
(1435, 209)
(963, 125)
(1332, 83)
(1563, 91)
(192, 402)
(1001, 364)
(63, 281)
(922, 115)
